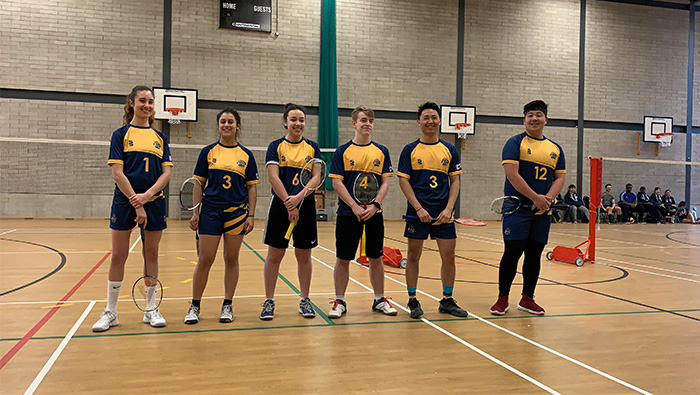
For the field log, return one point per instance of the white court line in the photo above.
(37, 380)
(650, 267)
(543, 347)
(612, 260)
(8, 231)
(450, 335)
(45, 370)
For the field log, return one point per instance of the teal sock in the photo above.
(412, 292)
(447, 290)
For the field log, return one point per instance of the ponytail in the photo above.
(129, 108)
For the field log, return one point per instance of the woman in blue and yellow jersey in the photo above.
(535, 171)
(290, 202)
(140, 160)
(230, 175)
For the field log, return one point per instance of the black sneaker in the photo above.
(449, 306)
(414, 305)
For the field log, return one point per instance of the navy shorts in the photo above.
(415, 229)
(348, 232)
(305, 233)
(123, 214)
(216, 221)
(525, 225)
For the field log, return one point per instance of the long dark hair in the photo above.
(129, 109)
(235, 114)
(291, 106)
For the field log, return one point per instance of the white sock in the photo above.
(378, 296)
(113, 288)
(340, 297)
(150, 297)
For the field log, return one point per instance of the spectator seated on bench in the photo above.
(668, 204)
(578, 209)
(628, 204)
(648, 212)
(612, 210)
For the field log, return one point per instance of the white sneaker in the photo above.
(339, 308)
(154, 318)
(192, 316)
(107, 320)
(226, 313)
(384, 306)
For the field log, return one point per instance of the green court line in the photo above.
(411, 321)
(290, 285)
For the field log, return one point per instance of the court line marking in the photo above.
(606, 264)
(541, 346)
(25, 339)
(8, 231)
(411, 321)
(447, 333)
(39, 377)
(17, 347)
(651, 267)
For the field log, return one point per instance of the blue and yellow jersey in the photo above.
(350, 160)
(227, 171)
(291, 158)
(428, 168)
(537, 159)
(143, 151)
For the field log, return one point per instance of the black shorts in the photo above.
(123, 214)
(348, 232)
(305, 235)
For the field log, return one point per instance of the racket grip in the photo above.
(289, 230)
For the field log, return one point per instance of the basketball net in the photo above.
(461, 129)
(664, 143)
(174, 120)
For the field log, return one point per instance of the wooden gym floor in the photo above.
(629, 323)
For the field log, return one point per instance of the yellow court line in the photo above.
(186, 281)
(57, 305)
(180, 258)
(193, 262)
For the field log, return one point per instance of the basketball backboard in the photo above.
(658, 129)
(185, 99)
(452, 115)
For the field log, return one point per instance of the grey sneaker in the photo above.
(449, 306)
(192, 316)
(268, 311)
(306, 309)
(414, 306)
(226, 313)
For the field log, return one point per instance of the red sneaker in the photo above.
(501, 305)
(528, 304)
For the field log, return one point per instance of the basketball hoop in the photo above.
(664, 143)
(173, 112)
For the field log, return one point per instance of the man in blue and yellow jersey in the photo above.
(428, 173)
(360, 157)
(535, 173)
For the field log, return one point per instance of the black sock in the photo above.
(196, 303)
(228, 302)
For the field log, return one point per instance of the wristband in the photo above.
(377, 205)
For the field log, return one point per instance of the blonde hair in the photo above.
(368, 111)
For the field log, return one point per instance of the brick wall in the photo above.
(392, 55)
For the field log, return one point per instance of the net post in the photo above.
(594, 201)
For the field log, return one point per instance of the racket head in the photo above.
(313, 174)
(187, 195)
(365, 188)
(505, 205)
(470, 222)
(138, 293)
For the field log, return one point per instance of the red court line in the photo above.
(6, 358)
